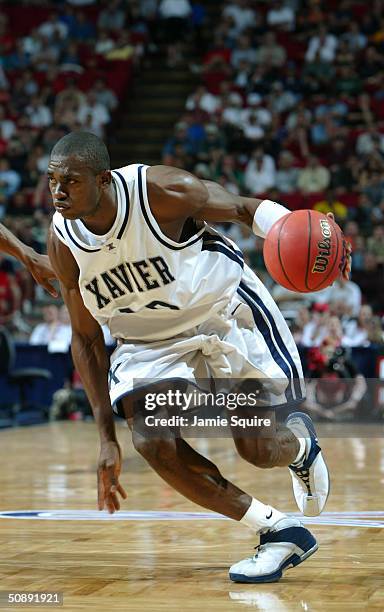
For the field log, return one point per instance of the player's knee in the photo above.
(159, 451)
(261, 452)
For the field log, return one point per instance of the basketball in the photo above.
(304, 251)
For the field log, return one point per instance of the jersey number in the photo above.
(155, 305)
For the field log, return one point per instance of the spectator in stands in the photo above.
(344, 56)
(213, 141)
(292, 304)
(260, 172)
(244, 51)
(361, 114)
(369, 140)
(52, 27)
(69, 100)
(281, 99)
(371, 65)
(203, 100)
(343, 297)
(286, 175)
(300, 117)
(93, 116)
(362, 214)
(52, 332)
(252, 130)
(7, 125)
(124, 49)
(348, 82)
(175, 15)
(20, 206)
(18, 59)
(321, 70)
(372, 184)
(242, 74)
(254, 108)
(331, 204)
(104, 43)
(316, 329)
(70, 59)
(243, 15)
(270, 53)
(314, 177)
(355, 39)
(39, 114)
(112, 18)
(104, 95)
(226, 166)
(375, 243)
(322, 43)
(322, 130)
(233, 110)
(83, 29)
(8, 177)
(180, 140)
(281, 16)
(357, 330)
(336, 388)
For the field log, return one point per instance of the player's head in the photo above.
(79, 174)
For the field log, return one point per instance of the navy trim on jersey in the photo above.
(152, 228)
(209, 237)
(127, 204)
(77, 244)
(58, 230)
(263, 327)
(216, 242)
(220, 248)
(258, 305)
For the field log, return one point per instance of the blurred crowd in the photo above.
(63, 66)
(289, 106)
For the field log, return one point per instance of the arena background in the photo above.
(283, 99)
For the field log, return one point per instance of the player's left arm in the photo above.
(175, 195)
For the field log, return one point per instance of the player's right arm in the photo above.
(91, 361)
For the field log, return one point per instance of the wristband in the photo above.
(267, 213)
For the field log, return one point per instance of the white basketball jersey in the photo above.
(139, 282)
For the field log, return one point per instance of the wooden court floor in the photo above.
(171, 565)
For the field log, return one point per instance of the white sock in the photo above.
(301, 453)
(258, 516)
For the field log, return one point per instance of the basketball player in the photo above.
(131, 249)
(38, 265)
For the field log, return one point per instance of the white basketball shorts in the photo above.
(250, 339)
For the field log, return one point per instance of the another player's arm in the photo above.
(175, 195)
(91, 361)
(38, 265)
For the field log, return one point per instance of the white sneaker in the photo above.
(285, 545)
(310, 480)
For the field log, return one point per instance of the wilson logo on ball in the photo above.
(303, 251)
(324, 246)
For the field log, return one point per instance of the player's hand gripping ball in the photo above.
(306, 251)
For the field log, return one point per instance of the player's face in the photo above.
(76, 191)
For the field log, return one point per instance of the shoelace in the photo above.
(260, 549)
(304, 475)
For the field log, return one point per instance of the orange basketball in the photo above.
(304, 251)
